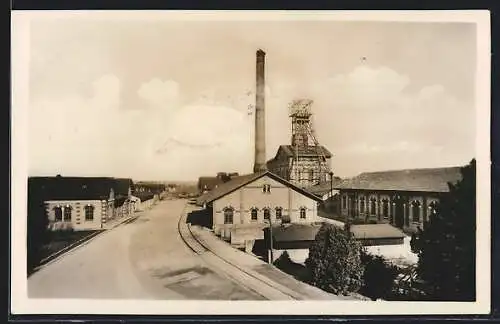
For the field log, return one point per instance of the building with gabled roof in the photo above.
(80, 203)
(403, 198)
(242, 207)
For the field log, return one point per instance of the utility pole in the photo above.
(270, 256)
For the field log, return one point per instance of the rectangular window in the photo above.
(253, 214)
(89, 213)
(58, 214)
(279, 212)
(67, 214)
(228, 216)
(267, 213)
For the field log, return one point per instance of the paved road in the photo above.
(145, 259)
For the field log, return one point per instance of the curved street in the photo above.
(143, 259)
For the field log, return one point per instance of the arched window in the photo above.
(89, 213)
(58, 214)
(362, 204)
(67, 214)
(385, 208)
(373, 206)
(228, 215)
(279, 212)
(415, 210)
(253, 214)
(303, 212)
(267, 213)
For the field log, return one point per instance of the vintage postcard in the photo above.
(285, 162)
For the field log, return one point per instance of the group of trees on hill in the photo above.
(446, 247)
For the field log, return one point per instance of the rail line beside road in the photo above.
(246, 278)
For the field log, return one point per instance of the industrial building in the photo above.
(244, 206)
(402, 198)
(304, 162)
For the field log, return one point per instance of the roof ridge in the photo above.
(408, 169)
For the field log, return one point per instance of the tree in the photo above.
(334, 262)
(447, 244)
(378, 276)
(37, 234)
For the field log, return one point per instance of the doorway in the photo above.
(352, 206)
(399, 212)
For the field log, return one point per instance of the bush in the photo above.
(283, 261)
(37, 234)
(334, 261)
(378, 277)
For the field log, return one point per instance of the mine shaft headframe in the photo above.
(300, 108)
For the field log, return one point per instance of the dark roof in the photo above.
(149, 186)
(307, 232)
(75, 188)
(209, 182)
(324, 188)
(295, 232)
(240, 181)
(310, 150)
(121, 186)
(426, 180)
(376, 231)
(144, 196)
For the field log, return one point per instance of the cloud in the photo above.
(399, 147)
(204, 139)
(77, 134)
(160, 94)
(74, 135)
(369, 118)
(372, 114)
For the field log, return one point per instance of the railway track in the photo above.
(248, 279)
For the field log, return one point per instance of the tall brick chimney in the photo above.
(260, 116)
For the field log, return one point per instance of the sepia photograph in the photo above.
(250, 162)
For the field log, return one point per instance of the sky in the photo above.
(171, 100)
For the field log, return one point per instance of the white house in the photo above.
(80, 203)
(242, 207)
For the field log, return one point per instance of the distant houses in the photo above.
(403, 198)
(206, 184)
(147, 193)
(80, 203)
